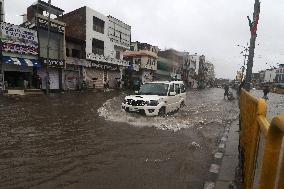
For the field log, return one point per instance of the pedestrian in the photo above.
(106, 85)
(118, 83)
(226, 88)
(266, 90)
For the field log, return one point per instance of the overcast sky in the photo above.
(210, 27)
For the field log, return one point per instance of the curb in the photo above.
(217, 161)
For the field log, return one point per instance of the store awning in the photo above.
(21, 61)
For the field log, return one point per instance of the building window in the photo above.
(117, 54)
(98, 47)
(75, 53)
(172, 88)
(177, 88)
(98, 25)
(67, 52)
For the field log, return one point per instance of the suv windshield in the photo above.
(160, 89)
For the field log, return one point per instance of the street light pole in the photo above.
(47, 50)
(253, 29)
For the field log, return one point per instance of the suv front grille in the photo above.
(136, 102)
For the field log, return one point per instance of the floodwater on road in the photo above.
(202, 107)
(83, 140)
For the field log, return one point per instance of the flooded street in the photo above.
(84, 140)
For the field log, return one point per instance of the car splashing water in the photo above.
(201, 111)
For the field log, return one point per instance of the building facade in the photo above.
(279, 81)
(209, 72)
(19, 57)
(261, 76)
(51, 53)
(164, 70)
(269, 76)
(177, 60)
(255, 79)
(143, 62)
(193, 68)
(90, 31)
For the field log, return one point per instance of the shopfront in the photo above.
(105, 70)
(106, 73)
(19, 73)
(71, 78)
(19, 58)
(55, 73)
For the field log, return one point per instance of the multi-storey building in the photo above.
(177, 60)
(164, 70)
(143, 59)
(261, 76)
(52, 52)
(279, 81)
(120, 35)
(19, 58)
(195, 70)
(209, 72)
(255, 79)
(269, 76)
(98, 41)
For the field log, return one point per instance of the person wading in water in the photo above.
(226, 88)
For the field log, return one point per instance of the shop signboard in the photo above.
(104, 66)
(18, 39)
(101, 58)
(53, 63)
(78, 62)
(55, 27)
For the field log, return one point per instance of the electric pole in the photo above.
(47, 50)
(253, 29)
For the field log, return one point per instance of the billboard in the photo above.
(16, 39)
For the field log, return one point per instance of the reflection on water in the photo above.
(61, 142)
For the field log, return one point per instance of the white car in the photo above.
(156, 98)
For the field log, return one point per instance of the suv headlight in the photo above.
(153, 103)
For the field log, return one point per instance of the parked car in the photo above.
(156, 98)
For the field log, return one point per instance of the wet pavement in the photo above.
(275, 103)
(84, 140)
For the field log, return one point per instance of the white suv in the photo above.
(156, 98)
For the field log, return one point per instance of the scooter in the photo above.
(231, 96)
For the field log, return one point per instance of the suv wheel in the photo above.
(162, 111)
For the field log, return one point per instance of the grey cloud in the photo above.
(209, 27)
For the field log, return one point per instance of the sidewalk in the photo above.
(223, 168)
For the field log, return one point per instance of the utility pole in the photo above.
(47, 50)
(253, 29)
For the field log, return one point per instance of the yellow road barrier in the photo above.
(260, 145)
